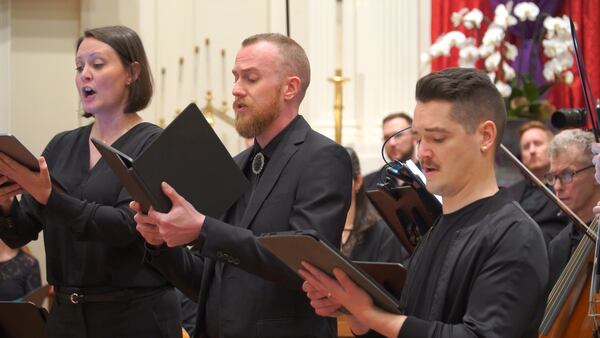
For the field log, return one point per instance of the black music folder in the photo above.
(189, 156)
(12, 147)
(22, 320)
(391, 275)
(296, 246)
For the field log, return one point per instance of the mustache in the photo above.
(428, 163)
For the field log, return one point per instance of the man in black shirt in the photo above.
(482, 269)
(533, 143)
(299, 180)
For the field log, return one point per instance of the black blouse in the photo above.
(19, 276)
(89, 231)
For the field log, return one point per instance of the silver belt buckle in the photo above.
(74, 298)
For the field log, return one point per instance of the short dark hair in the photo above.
(293, 56)
(130, 49)
(473, 96)
(396, 115)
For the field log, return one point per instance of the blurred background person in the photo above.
(534, 138)
(400, 147)
(572, 176)
(19, 272)
(366, 237)
(94, 253)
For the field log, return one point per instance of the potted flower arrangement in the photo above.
(492, 44)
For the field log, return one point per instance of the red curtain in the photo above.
(441, 12)
(585, 13)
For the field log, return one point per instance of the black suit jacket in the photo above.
(543, 211)
(306, 185)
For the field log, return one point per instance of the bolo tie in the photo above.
(258, 163)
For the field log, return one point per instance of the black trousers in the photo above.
(151, 315)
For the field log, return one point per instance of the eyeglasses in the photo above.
(565, 177)
(396, 137)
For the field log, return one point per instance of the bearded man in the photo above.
(299, 180)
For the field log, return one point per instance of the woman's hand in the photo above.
(8, 191)
(37, 184)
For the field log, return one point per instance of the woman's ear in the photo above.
(134, 72)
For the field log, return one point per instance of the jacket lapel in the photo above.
(284, 152)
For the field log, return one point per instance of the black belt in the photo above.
(75, 296)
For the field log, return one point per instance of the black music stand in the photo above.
(390, 275)
(408, 214)
(22, 320)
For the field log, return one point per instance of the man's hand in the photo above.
(148, 230)
(180, 226)
(323, 304)
(37, 184)
(597, 209)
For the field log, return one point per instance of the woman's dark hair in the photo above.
(366, 215)
(129, 47)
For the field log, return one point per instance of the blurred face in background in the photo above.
(534, 149)
(579, 193)
(401, 147)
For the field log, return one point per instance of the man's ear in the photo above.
(487, 131)
(134, 72)
(292, 87)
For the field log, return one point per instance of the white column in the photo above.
(382, 43)
(5, 74)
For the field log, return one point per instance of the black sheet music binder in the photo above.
(190, 157)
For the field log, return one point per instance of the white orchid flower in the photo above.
(511, 51)
(493, 36)
(467, 57)
(551, 69)
(492, 76)
(502, 16)
(467, 42)
(565, 60)
(473, 19)
(504, 89)
(527, 11)
(568, 77)
(492, 62)
(454, 38)
(548, 72)
(426, 58)
(550, 24)
(549, 47)
(486, 50)
(509, 72)
(457, 17)
(439, 48)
